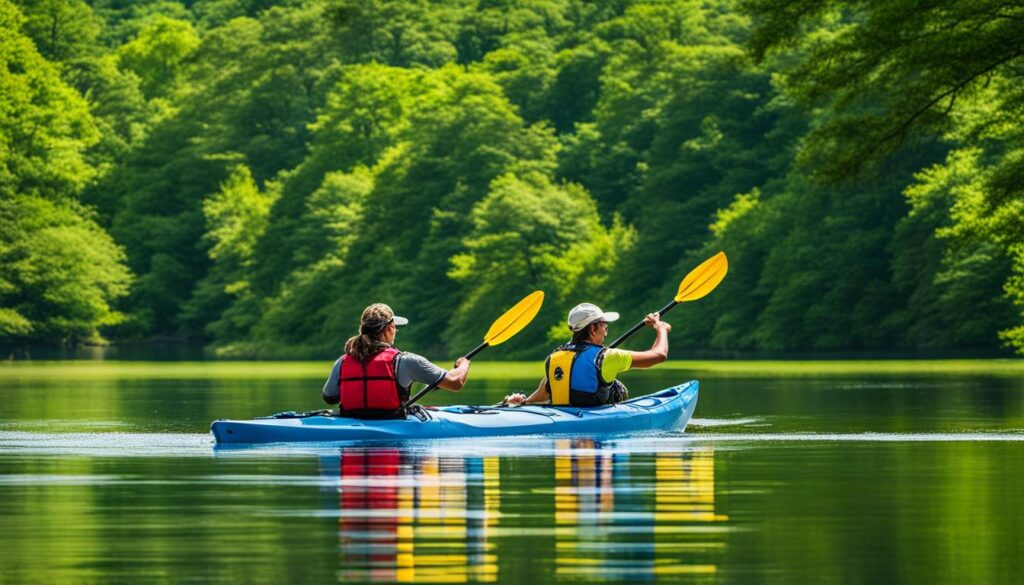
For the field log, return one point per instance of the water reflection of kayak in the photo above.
(669, 409)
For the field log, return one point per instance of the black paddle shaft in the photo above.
(637, 327)
(433, 386)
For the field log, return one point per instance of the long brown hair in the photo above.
(372, 324)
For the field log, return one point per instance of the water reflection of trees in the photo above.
(603, 514)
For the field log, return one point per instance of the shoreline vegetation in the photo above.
(251, 174)
(492, 370)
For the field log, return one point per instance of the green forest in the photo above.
(250, 174)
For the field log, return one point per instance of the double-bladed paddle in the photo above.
(512, 322)
(695, 285)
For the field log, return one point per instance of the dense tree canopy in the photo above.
(252, 173)
(891, 73)
(60, 272)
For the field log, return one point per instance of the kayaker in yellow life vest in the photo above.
(583, 371)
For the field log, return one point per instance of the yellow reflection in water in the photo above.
(429, 518)
(610, 529)
(417, 519)
(686, 487)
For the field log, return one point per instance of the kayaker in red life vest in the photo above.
(372, 379)
(583, 371)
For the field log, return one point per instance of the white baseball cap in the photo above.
(584, 314)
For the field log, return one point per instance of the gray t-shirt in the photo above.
(409, 368)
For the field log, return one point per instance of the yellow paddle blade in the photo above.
(515, 319)
(703, 279)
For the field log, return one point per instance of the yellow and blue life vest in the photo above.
(574, 375)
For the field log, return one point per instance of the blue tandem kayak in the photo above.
(669, 409)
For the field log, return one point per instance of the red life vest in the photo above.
(370, 389)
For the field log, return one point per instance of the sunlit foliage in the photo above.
(266, 169)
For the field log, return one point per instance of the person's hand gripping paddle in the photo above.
(695, 285)
(513, 321)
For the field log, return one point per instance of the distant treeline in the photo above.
(252, 173)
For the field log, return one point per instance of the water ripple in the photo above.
(106, 444)
(725, 422)
(966, 436)
(115, 444)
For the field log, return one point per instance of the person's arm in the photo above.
(330, 392)
(455, 378)
(659, 350)
(416, 368)
(541, 394)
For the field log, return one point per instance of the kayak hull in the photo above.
(669, 409)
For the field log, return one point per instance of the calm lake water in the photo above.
(789, 473)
